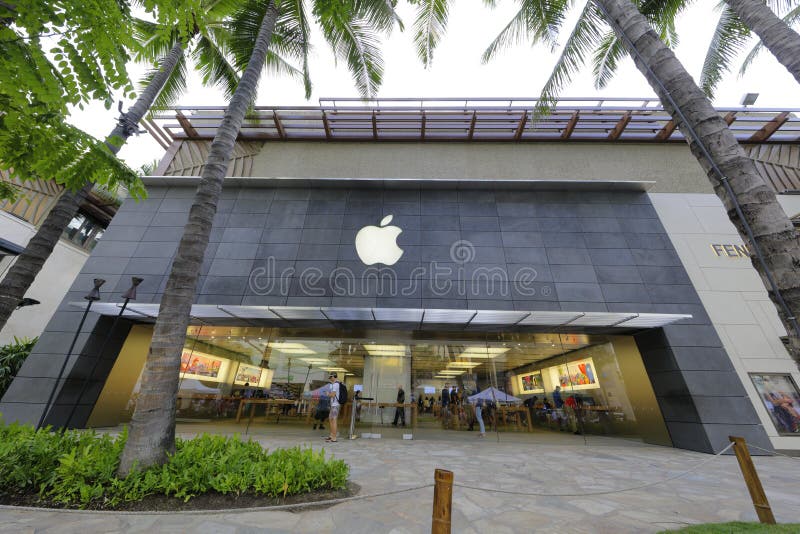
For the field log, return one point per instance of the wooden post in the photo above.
(750, 475)
(442, 501)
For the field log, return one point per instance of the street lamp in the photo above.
(129, 295)
(92, 296)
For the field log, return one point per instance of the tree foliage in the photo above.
(53, 55)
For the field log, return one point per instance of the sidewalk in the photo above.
(713, 493)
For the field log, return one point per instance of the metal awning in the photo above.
(9, 248)
(399, 318)
(640, 120)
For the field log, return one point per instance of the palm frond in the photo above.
(173, 88)
(379, 14)
(729, 38)
(429, 27)
(606, 59)
(211, 61)
(354, 41)
(537, 21)
(791, 18)
(586, 35)
(153, 40)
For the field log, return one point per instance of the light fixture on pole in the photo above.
(129, 295)
(27, 302)
(92, 296)
(749, 99)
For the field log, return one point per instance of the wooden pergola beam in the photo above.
(666, 131)
(326, 125)
(620, 126)
(279, 125)
(769, 128)
(521, 126)
(472, 125)
(570, 127)
(186, 125)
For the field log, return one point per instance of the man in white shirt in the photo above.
(333, 393)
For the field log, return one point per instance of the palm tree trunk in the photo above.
(152, 430)
(771, 230)
(28, 264)
(777, 36)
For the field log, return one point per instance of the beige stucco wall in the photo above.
(50, 285)
(532, 161)
(731, 292)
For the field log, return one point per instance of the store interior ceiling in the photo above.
(443, 355)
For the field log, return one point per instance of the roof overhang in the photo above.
(9, 248)
(410, 183)
(400, 318)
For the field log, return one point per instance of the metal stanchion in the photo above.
(129, 295)
(92, 296)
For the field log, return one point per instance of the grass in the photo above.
(737, 527)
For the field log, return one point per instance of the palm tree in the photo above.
(349, 28)
(775, 34)
(730, 36)
(751, 204)
(167, 47)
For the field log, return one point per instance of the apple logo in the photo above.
(378, 244)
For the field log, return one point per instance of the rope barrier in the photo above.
(277, 507)
(602, 492)
(776, 453)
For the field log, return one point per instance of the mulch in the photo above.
(206, 501)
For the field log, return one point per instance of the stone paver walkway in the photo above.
(539, 463)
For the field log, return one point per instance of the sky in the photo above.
(457, 71)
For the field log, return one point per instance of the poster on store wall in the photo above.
(248, 374)
(579, 374)
(200, 365)
(531, 383)
(782, 399)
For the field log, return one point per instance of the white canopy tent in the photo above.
(493, 394)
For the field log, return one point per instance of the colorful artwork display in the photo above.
(531, 383)
(198, 364)
(782, 399)
(579, 374)
(248, 374)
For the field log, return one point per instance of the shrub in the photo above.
(12, 357)
(78, 468)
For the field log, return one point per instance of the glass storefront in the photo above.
(409, 384)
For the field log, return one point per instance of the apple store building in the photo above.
(576, 275)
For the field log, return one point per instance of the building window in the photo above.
(84, 231)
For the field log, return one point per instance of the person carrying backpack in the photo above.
(322, 412)
(337, 392)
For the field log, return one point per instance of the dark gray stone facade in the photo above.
(588, 251)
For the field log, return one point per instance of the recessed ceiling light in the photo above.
(465, 365)
(385, 350)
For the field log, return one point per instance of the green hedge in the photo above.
(78, 468)
(12, 356)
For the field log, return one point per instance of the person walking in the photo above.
(479, 417)
(333, 394)
(400, 411)
(446, 405)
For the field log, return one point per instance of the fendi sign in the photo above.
(730, 250)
